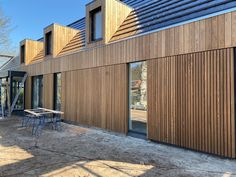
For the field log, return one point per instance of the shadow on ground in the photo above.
(79, 151)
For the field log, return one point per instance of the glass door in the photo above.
(57, 91)
(17, 86)
(138, 97)
(37, 92)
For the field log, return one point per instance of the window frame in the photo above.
(93, 24)
(48, 43)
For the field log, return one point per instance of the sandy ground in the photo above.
(79, 151)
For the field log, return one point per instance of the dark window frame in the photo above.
(93, 26)
(48, 43)
(55, 85)
(12, 92)
(22, 53)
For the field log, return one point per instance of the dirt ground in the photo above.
(80, 151)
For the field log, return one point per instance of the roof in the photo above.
(149, 16)
(4, 59)
(11, 64)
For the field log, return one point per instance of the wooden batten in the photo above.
(32, 49)
(28, 92)
(61, 36)
(48, 91)
(113, 15)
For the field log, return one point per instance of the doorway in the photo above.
(17, 86)
(138, 97)
(37, 91)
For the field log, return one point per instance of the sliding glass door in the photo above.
(37, 91)
(138, 97)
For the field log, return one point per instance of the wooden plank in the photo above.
(48, 91)
(206, 34)
(232, 103)
(85, 85)
(228, 29)
(203, 117)
(28, 92)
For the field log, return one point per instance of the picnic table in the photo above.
(39, 117)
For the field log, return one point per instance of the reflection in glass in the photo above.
(18, 86)
(4, 93)
(96, 20)
(37, 95)
(138, 97)
(57, 91)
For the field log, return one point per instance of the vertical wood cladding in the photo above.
(47, 91)
(97, 97)
(48, 83)
(28, 92)
(31, 50)
(191, 101)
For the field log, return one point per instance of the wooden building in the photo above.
(164, 69)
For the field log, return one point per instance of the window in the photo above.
(48, 43)
(138, 97)
(22, 53)
(17, 86)
(57, 91)
(96, 24)
(4, 92)
(37, 92)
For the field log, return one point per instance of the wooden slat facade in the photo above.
(28, 92)
(113, 14)
(188, 38)
(61, 35)
(97, 97)
(190, 84)
(48, 90)
(191, 101)
(32, 50)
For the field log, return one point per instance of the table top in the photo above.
(42, 111)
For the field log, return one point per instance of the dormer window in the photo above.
(22, 53)
(96, 24)
(48, 43)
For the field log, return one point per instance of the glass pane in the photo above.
(138, 97)
(57, 92)
(18, 86)
(40, 104)
(48, 43)
(37, 98)
(4, 93)
(98, 25)
(35, 91)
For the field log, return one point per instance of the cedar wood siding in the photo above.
(190, 84)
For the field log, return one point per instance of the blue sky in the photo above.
(29, 17)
